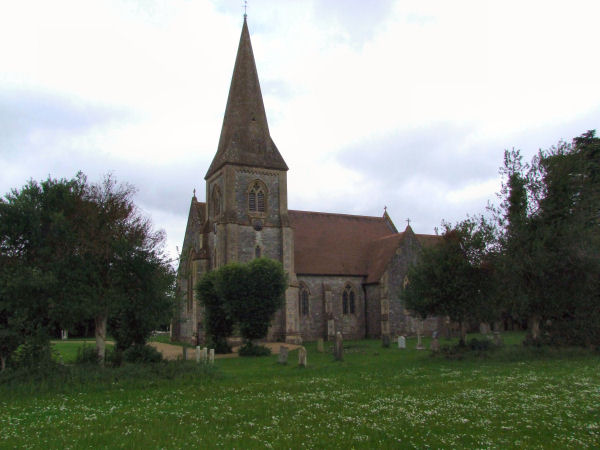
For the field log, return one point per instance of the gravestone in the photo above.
(204, 355)
(401, 342)
(435, 345)
(338, 349)
(320, 347)
(498, 339)
(211, 356)
(197, 353)
(283, 355)
(330, 329)
(419, 342)
(484, 328)
(385, 340)
(302, 357)
(64, 334)
(184, 353)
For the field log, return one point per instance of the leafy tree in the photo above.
(219, 325)
(72, 250)
(246, 295)
(550, 240)
(453, 278)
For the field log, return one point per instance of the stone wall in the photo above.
(314, 325)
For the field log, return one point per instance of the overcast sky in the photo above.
(404, 104)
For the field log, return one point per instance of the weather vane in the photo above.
(245, 8)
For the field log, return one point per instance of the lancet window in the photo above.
(303, 300)
(348, 300)
(257, 201)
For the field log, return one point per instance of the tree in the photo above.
(453, 277)
(246, 295)
(219, 325)
(73, 250)
(550, 240)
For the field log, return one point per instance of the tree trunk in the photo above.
(534, 327)
(3, 363)
(100, 332)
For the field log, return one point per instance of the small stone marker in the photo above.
(64, 334)
(184, 352)
(419, 343)
(204, 355)
(283, 355)
(211, 356)
(197, 353)
(302, 357)
(401, 342)
(497, 338)
(385, 340)
(320, 347)
(338, 350)
(435, 345)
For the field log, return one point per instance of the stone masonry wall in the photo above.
(314, 325)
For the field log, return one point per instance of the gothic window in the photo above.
(348, 300)
(257, 198)
(303, 300)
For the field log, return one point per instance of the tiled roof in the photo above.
(335, 244)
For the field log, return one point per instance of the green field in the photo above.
(376, 397)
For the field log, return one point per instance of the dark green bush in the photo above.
(250, 349)
(142, 354)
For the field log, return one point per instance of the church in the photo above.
(345, 272)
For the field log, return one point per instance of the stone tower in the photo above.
(246, 190)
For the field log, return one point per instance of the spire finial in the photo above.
(245, 9)
(385, 209)
(408, 221)
(194, 192)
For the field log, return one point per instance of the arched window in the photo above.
(257, 199)
(348, 300)
(303, 300)
(216, 202)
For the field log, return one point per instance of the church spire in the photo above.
(245, 137)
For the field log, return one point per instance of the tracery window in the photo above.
(348, 300)
(303, 300)
(257, 198)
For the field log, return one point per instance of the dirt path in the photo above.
(173, 352)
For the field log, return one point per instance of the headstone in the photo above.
(435, 345)
(484, 328)
(498, 339)
(320, 347)
(211, 356)
(338, 350)
(419, 343)
(184, 353)
(385, 340)
(401, 342)
(330, 328)
(283, 355)
(302, 357)
(197, 353)
(204, 355)
(64, 334)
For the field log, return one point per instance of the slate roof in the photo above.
(245, 138)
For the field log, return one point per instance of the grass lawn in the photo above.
(376, 397)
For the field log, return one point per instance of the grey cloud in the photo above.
(25, 114)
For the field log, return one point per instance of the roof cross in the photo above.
(408, 221)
